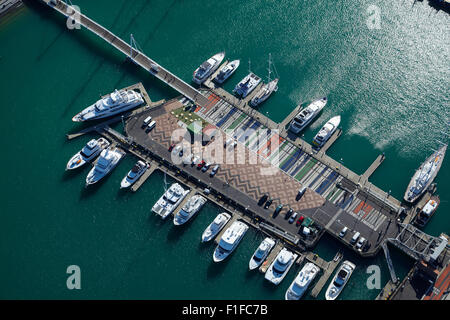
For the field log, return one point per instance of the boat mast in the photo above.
(249, 68)
(270, 62)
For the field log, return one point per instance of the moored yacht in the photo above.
(339, 280)
(108, 160)
(137, 171)
(326, 132)
(190, 208)
(207, 68)
(427, 211)
(89, 152)
(304, 117)
(169, 200)
(266, 89)
(280, 266)
(302, 281)
(112, 104)
(226, 71)
(214, 228)
(425, 175)
(229, 241)
(246, 85)
(261, 253)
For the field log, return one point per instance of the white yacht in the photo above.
(226, 71)
(425, 175)
(302, 281)
(229, 241)
(214, 228)
(207, 68)
(89, 152)
(339, 280)
(191, 207)
(108, 160)
(169, 200)
(280, 266)
(261, 253)
(307, 115)
(326, 132)
(267, 88)
(133, 175)
(112, 104)
(246, 85)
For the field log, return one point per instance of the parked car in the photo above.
(268, 204)
(300, 220)
(171, 147)
(263, 199)
(288, 213)
(343, 232)
(201, 164)
(277, 210)
(206, 167)
(360, 243)
(214, 170)
(293, 217)
(300, 193)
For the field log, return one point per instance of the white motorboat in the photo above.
(247, 85)
(304, 117)
(112, 104)
(207, 68)
(427, 211)
(302, 281)
(261, 253)
(89, 152)
(108, 160)
(229, 241)
(226, 71)
(134, 174)
(425, 175)
(169, 200)
(214, 228)
(280, 266)
(190, 208)
(326, 132)
(339, 280)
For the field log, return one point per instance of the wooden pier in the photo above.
(378, 161)
(332, 140)
(234, 217)
(273, 254)
(282, 125)
(327, 268)
(144, 177)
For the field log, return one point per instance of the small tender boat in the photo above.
(326, 132)
(134, 174)
(261, 253)
(214, 228)
(89, 152)
(207, 68)
(427, 211)
(340, 280)
(226, 71)
(247, 85)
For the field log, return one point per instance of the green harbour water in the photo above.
(390, 86)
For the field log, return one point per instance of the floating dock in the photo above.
(327, 268)
(233, 218)
(271, 257)
(144, 177)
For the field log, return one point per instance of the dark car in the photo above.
(300, 220)
(268, 204)
(263, 199)
(201, 164)
(206, 167)
(292, 218)
(288, 214)
(171, 147)
(214, 170)
(277, 211)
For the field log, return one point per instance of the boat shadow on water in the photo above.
(175, 232)
(215, 269)
(90, 191)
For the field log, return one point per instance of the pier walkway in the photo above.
(327, 268)
(135, 55)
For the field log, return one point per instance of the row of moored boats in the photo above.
(246, 86)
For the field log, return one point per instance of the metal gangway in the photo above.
(131, 50)
(389, 262)
(417, 244)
